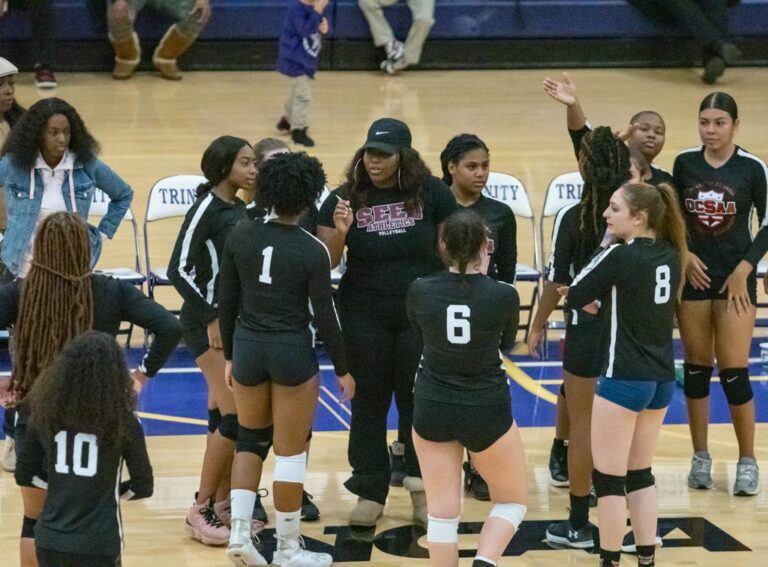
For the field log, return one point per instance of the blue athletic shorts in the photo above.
(636, 395)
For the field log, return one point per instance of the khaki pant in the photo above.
(297, 105)
(423, 12)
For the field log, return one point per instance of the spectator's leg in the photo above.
(380, 28)
(124, 39)
(705, 19)
(43, 46)
(423, 19)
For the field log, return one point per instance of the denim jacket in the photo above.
(23, 204)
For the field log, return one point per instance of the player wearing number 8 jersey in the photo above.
(461, 396)
(637, 285)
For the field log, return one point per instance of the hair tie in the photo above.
(56, 273)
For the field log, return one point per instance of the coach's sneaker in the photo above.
(629, 546)
(563, 533)
(241, 551)
(259, 513)
(475, 484)
(701, 471)
(205, 526)
(9, 455)
(223, 510)
(309, 512)
(291, 553)
(415, 486)
(365, 513)
(396, 463)
(747, 477)
(558, 464)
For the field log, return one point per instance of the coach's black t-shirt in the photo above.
(501, 220)
(717, 204)
(637, 285)
(464, 320)
(387, 246)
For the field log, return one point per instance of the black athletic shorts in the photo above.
(691, 294)
(584, 352)
(195, 333)
(254, 362)
(50, 558)
(474, 427)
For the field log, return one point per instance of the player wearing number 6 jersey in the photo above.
(82, 430)
(461, 396)
(637, 284)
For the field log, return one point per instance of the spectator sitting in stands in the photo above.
(43, 46)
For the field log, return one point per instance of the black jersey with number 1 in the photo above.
(637, 284)
(464, 321)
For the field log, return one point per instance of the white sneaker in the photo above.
(241, 551)
(9, 455)
(291, 553)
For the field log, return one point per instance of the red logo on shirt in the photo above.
(382, 218)
(711, 204)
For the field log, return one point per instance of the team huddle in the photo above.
(424, 309)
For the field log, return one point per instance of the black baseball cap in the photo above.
(388, 135)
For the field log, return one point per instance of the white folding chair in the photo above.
(170, 197)
(511, 191)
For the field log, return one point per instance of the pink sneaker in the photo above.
(224, 511)
(205, 526)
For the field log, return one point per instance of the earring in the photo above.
(399, 185)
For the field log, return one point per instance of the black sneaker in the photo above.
(563, 533)
(259, 513)
(284, 126)
(558, 466)
(714, 68)
(396, 463)
(474, 484)
(299, 136)
(309, 512)
(629, 546)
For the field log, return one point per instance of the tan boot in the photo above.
(365, 513)
(127, 56)
(173, 44)
(415, 486)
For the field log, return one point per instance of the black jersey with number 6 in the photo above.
(637, 285)
(464, 321)
(81, 514)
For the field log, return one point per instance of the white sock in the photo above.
(488, 561)
(288, 524)
(242, 503)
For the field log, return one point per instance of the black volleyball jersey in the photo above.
(572, 249)
(196, 258)
(464, 321)
(637, 285)
(81, 514)
(275, 281)
(717, 204)
(658, 175)
(308, 220)
(387, 246)
(501, 220)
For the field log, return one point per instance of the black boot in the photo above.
(284, 126)
(299, 136)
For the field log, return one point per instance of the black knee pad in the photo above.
(696, 380)
(28, 527)
(228, 427)
(214, 420)
(736, 385)
(639, 479)
(256, 441)
(608, 484)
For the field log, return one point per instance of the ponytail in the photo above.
(203, 188)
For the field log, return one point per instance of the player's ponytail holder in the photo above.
(58, 274)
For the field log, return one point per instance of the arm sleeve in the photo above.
(597, 277)
(577, 136)
(410, 306)
(445, 202)
(30, 460)
(677, 178)
(760, 199)
(189, 246)
(506, 256)
(140, 310)
(324, 311)
(563, 248)
(509, 334)
(141, 485)
(120, 197)
(9, 303)
(325, 214)
(229, 295)
(305, 24)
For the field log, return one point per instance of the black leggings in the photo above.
(50, 558)
(706, 20)
(383, 352)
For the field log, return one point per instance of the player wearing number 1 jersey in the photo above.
(637, 285)
(461, 395)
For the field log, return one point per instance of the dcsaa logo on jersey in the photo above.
(711, 204)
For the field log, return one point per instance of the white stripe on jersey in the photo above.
(188, 240)
(614, 329)
(558, 219)
(211, 285)
(746, 154)
(39, 483)
(324, 246)
(689, 150)
(593, 264)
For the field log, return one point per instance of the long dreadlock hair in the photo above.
(605, 165)
(56, 300)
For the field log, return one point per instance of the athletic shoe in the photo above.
(747, 477)
(729, 52)
(396, 463)
(223, 510)
(395, 50)
(300, 136)
(241, 551)
(475, 484)
(44, 77)
(558, 466)
(309, 512)
(9, 455)
(284, 126)
(259, 513)
(291, 553)
(365, 513)
(592, 498)
(701, 471)
(205, 526)
(629, 546)
(714, 67)
(563, 533)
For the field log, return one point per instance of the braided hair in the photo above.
(462, 238)
(456, 149)
(56, 299)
